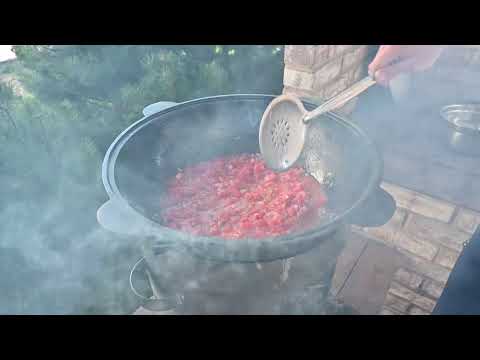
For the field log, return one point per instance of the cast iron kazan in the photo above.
(172, 136)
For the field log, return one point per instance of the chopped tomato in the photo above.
(238, 197)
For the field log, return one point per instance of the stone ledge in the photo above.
(461, 221)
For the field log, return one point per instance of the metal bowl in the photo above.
(463, 127)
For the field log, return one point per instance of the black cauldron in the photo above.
(172, 136)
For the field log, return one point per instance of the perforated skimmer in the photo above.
(284, 125)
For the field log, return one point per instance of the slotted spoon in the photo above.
(284, 125)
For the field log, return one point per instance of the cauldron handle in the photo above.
(118, 218)
(375, 211)
(156, 107)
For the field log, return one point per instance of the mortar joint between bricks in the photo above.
(437, 252)
(409, 307)
(455, 212)
(423, 293)
(421, 285)
(404, 220)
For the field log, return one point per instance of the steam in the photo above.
(54, 256)
(56, 259)
(58, 267)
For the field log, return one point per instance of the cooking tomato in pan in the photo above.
(239, 197)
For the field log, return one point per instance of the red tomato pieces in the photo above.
(239, 197)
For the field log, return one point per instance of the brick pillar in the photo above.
(319, 72)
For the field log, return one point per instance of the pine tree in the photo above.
(66, 104)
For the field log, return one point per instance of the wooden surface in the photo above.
(369, 278)
(347, 261)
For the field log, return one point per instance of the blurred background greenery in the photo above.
(60, 108)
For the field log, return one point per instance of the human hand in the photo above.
(392, 60)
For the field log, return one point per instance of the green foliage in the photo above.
(66, 104)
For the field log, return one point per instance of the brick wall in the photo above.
(319, 72)
(431, 233)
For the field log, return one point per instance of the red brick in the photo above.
(387, 232)
(325, 74)
(298, 79)
(424, 303)
(355, 57)
(408, 278)
(433, 231)
(402, 196)
(446, 257)
(396, 303)
(433, 271)
(300, 57)
(419, 203)
(338, 50)
(302, 94)
(432, 208)
(401, 291)
(467, 220)
(433, 288)
(411, 296)
(335, 87)
(417, 311)
(387, 311)
(423, 249)
(322, 55)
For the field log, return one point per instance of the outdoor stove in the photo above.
(295, 286)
